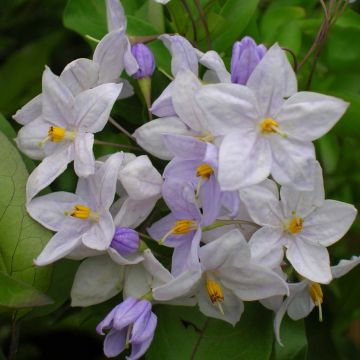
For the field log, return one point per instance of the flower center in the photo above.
(295, 225)
(215, 293)
(317, 296)
(204, 171)
(181, 227)
(269, 125)
(57, 134)
(83, 212)
(206, 136)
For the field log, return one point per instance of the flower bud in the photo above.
(245, 56)
(145, 60)
(125, 241)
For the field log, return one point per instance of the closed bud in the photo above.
(246, 54)
(145, 60)
(125, 241)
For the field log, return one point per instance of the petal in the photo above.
(150, 135)
(57, 100)
(49, 210)
(300, 305)
(48, 170)
(93, 107)
(115, 15)
(60, 245)
(123, 319)
(114, 342)
(160, 275)
(183, 55)
(210, 196)
(185, 147)
(139, 349)
(131, 65)
(185, 170)
(293, 162)
(306, 116)
(80, 75)
(329, 223)
(344, 266)
(214, 62)
(185, 86)
(263, 205)
(161, 227)
(144, 327)
(309, 260)
(163, 105)
(233, 307)
(84, 162)
(227, 107)
(244, 159)
(97, 279)
(30, 111)
(119, 259)
(137, 281)
(272, 80)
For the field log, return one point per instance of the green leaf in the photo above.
(236, 15)
(293, 337)
(6, 128)
(184, 333)
(21, 238)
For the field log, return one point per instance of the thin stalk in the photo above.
(204, 23)
(197, 344)
(15, 336)
(122, 146)
(119, 127)
(145, 236)
(192, 19)
(220, 222)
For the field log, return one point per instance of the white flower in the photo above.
(267, 126)
(302, 221)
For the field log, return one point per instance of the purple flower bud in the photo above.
(125, 241)
(145, 60)
(245, 56)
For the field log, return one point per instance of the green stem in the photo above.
(219, 223)
(122, 146)
(15, 335)
(119, 127)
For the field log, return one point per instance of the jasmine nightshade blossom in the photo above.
(82, 219)
(145, 60)
(305, 295)
(268, 127)
(301, 221)
(131, 322)
(64, 131)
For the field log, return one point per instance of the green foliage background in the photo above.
(38, 32)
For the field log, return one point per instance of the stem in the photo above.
(192, 19)
(197, 344)
(15, 335)
(295, 64)
(204, 22)
(119, 127)
(122, 146)
(219, 223)
(145, 236)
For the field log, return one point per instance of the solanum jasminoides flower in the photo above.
(130, 323)
(145, 60)
(301, 221)
(82, 219)
(268, 127)
(125, 241)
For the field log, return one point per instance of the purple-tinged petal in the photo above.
(163, 105)
(115, 14)
(124, 318)
(145, 59)
(139, 349)
(185, 147)
(30, 111)
(114, 342)
(210, 196)
(84, 161)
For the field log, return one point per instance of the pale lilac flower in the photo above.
(268, 127)
(80, 219)
(301, 221)
(305, 295)
(226, 277)
(145, 60)
(125, 241)
(131, 322)
(246, 54)
(65, 130)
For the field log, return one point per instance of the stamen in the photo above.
(204, 171)
(83, 212)
(295, 225)
(206, 137)
(317, 297)
(181, 227)
(215, 293)
(269, 125)
(57, 134)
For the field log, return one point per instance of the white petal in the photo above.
(49, 210)
(84, 162)
(328, 224)
(137, 281)
(30, 111)
(60, 245)
(272, 80)
(97, 279)
(293, 162)
(227, 107)
(119, 259)
(163, 105)
(214, 62)
(244, 159)
(306, 116)
(115, 15)
(159, 273)
(344, 266)
(300, 305)
(310, 261)
(183, 99)
(140, 179)
(80, 75)
(48, 170)
(93, 107)
(150, 135)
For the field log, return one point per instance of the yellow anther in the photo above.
(181, 227)
(215, 293)
(83, 212)
(204, 171)
(56, 134)
(206, 136)
(269, 125)
(295, 225)
(317, 296)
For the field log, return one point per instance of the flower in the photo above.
(125, 241)
(131, 322)
(145, 60)
(82, 219)
(302, 221)
(267, 127)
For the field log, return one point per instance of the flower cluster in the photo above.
(248, 215)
